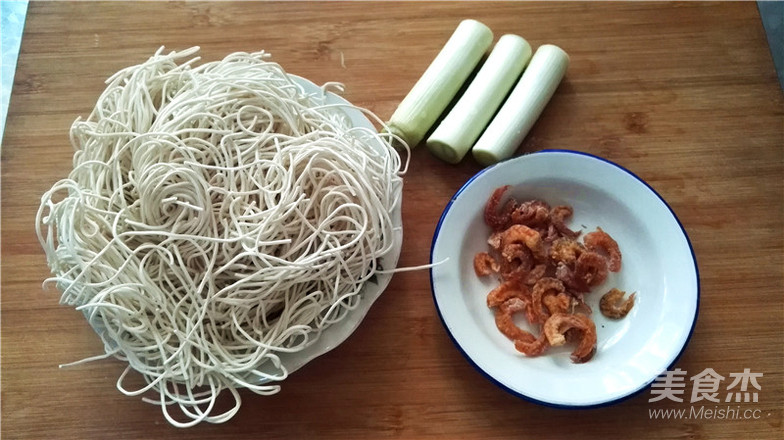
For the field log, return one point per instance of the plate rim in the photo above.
(505, 387)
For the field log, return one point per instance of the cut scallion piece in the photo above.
(455, 135)
(430, 96)
(524, 105)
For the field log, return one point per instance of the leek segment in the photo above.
(524, 105)
(455, 135)
(433, 92)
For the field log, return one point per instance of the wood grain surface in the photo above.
(683, 94)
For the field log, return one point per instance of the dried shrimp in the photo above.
(485, 264)
(614, 306)
(601, 241)
(521, 234)
(533, 213)
(506, 291)
(504, 320)
(495, 219)
(556, 327)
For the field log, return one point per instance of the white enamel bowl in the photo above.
(658, 264)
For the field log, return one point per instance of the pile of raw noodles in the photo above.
(216, 217)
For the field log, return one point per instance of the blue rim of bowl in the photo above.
(523, 396)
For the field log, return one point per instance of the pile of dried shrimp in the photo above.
(545, 273)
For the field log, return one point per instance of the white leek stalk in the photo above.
(462, 126)
(523, 107)
(420, 109)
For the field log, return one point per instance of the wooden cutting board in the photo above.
(683, 94)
